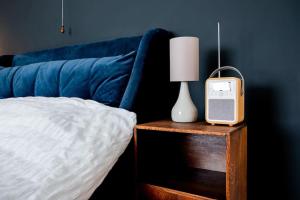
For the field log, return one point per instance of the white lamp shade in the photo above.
(184, 59)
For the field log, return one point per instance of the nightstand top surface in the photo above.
(201, 128)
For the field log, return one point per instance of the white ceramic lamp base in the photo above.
(184, 109)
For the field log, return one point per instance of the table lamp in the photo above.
(184, 67)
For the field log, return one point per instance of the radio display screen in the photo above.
(221, 86)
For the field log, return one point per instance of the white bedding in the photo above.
(58, 148)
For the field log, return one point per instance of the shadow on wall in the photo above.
(267, 148)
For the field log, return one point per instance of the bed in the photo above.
(128, 77)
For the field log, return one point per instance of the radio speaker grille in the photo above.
(221, 109)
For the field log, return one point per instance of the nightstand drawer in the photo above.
(152, 192)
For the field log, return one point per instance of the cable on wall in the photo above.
(62, 27)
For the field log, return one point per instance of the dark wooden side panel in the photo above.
(193, 151)
(205, 152)
(236, 177)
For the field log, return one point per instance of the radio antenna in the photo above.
(219, 51)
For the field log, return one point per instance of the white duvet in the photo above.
(58, 148)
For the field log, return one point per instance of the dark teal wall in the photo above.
(259, 36)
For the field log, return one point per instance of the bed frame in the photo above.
(148, 93)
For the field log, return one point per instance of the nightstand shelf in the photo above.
(194, 181)
(190, 161)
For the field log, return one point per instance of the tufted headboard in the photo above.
(147, 92)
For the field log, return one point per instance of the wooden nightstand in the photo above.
(190, 161)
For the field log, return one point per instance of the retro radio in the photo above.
(224, 96)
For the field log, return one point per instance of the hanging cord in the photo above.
(62, 27)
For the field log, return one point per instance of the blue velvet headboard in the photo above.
(148, 91)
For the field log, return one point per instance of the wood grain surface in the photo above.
(194, 127)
